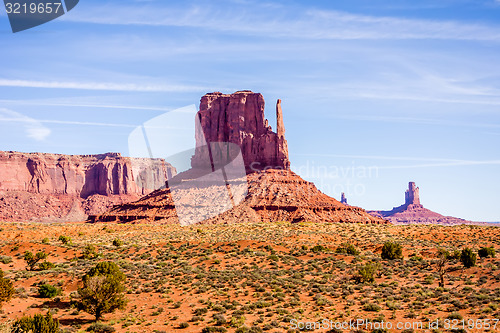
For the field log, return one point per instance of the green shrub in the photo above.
(90, 252)
(103, 290)
(65, 239)
(468, 258)
(100, 328)
(6, 289)
(48, 291)
(486, 252)
(32, 260)
(392, 251)
(46, 265)
(117, 242)
(37, 324)
(318, 248)
(45, 241)
(347, 248)
(366, 273)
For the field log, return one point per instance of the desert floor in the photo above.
(231, 277)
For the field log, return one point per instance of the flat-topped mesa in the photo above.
(412, 196)
(82, 175)
(239, 118)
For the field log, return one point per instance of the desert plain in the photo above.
(269, 277)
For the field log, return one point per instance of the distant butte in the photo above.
(413, 212)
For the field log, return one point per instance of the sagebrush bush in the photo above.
(392, 251)
(117, 242)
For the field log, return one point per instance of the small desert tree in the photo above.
(103, 290)
(6, 289)
(392, 251)
(468, 258)
(32, 260)
(37, 324)
(442, 259)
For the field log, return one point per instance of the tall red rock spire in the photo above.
(412, 196)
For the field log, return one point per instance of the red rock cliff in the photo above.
(239, 118)
(81, 175)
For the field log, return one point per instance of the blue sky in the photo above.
(375, 93)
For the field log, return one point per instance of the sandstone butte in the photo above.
(55, 187)
(413, 212)
(272, 191)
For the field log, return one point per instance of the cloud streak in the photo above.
(33, 128)
(309, 24)
(106, 86)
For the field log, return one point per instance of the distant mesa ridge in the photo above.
(412, 211)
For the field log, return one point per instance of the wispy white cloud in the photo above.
(309, 24)
(109, 86)
(34, 129)
(85, 105)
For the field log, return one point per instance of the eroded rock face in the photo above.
(58, 185)
(273, 195)
(81, 175)
(412, 211)
(239, 118)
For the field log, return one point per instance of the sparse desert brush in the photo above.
(37, 324)
(117, 242)
(391, 251)
(347, 248)
(100, 328)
